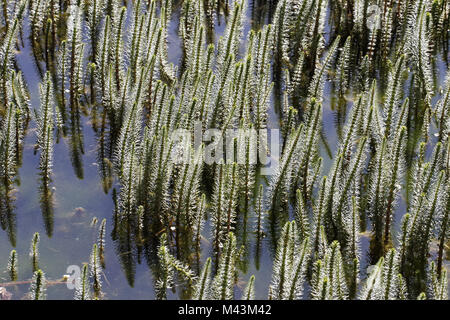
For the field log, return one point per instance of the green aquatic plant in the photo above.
(62, 78)
(105, 144)
(202, 287)
(249, 291)
(102, 60)
(385, 281)
(318, 242)
(94, 16)
(9, 137)
(393, 95)
(228, 48)
(328, 279)
(199, 223)
(190, 28)
(127, 197)
(8, 166)
(343, 67)
(443, 230)
(83, 291)
(307, 158)
(279, 189)
(439, 285)
(38, 286)
(7, 50)
(38, 9)
(135, 49)
(343, 219)
(95, 269)
(223, 282)
(302, 216)
(395, 172)
(262, 84)
(187, 194)
(228, 45)
(297, 28)
(74, 66)
(290, 265)
(102, 242)
(161, 170)
(442, 110)
(12, 265)
(46, 123)
(418, 236)
(170, 265)
(34, 252)
(388, 165)
(318, 80)
(219, 200)
(118, 50)
(418, 46)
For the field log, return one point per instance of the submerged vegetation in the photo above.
(364, 218)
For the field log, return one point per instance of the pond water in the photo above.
(79, 201)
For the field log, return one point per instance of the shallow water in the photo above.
(78, 202)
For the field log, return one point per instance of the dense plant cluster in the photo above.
(380, 66)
